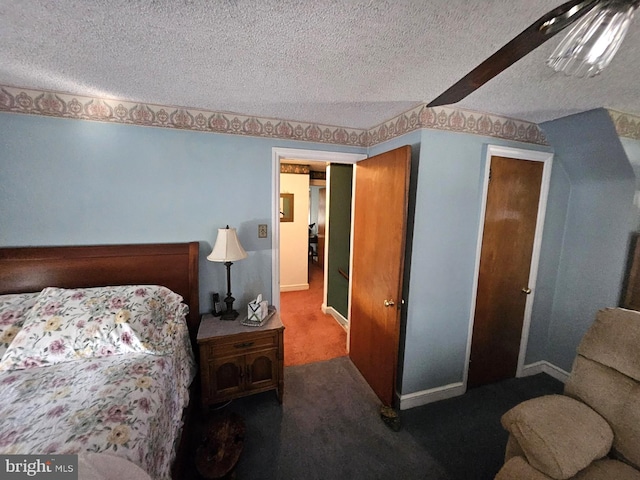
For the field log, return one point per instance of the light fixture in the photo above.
(594, 39)
(227, 249)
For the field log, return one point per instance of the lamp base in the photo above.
(230, 313)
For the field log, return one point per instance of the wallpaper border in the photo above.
(457, 120)
(627, 125)
(65, 105)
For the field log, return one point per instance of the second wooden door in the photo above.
(507, 244)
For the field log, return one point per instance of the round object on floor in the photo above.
(221, 446)
(390, 418)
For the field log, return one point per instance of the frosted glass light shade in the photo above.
(593, 41)
(227, 247)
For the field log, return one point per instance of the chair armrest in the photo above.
(558, 435)
(517, 468)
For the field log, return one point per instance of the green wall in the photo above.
(341, 179)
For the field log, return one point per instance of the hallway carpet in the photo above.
(310, 335)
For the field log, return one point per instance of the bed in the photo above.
(96, 354)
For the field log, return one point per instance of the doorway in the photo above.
(305, 308)
(381, 188)
(279, 154)
(512, 216)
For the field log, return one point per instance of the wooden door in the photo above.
(322, 224)
(505, 261)
(630, 297)
(380, 216)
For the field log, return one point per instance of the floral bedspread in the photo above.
(125, 405)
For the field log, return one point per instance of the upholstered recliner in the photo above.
(593, 430)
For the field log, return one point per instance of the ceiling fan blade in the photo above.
(528, 40)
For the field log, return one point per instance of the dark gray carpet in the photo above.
(329, 427)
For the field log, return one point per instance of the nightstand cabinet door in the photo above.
(227, 375)
(236, 360)
(262, 369)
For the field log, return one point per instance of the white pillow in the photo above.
(68, 324)
(13, 310)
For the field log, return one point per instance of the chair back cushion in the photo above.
(614, 340)
(606, 374)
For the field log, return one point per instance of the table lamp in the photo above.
(227, 249)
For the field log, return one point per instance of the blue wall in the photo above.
(598, 216)
(632, 149)
(68, 182)
(448, 200)
(550, 252)
(314, 200)
(65, 182)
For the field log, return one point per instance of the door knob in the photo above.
(389, 303)
(526, 290)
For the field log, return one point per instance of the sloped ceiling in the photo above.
(345, 63)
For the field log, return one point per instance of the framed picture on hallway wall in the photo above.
(286, 207)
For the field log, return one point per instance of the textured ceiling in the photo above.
(346, 63)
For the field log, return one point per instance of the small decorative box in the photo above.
(258, 323)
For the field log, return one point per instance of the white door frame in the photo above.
(520, 154)
(279, 154)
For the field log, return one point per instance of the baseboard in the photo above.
(335, 314)
(545, 367)
(424, 397)
(294, 288)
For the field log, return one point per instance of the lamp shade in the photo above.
(227, 247)
(591, 44)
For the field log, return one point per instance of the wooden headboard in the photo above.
(173, 265)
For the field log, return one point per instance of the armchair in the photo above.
(592, 432)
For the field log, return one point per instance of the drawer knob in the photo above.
(243, 345)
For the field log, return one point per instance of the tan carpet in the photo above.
(310, 335)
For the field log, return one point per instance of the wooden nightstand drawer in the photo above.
(239, 344)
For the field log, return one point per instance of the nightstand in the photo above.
(236, 360)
